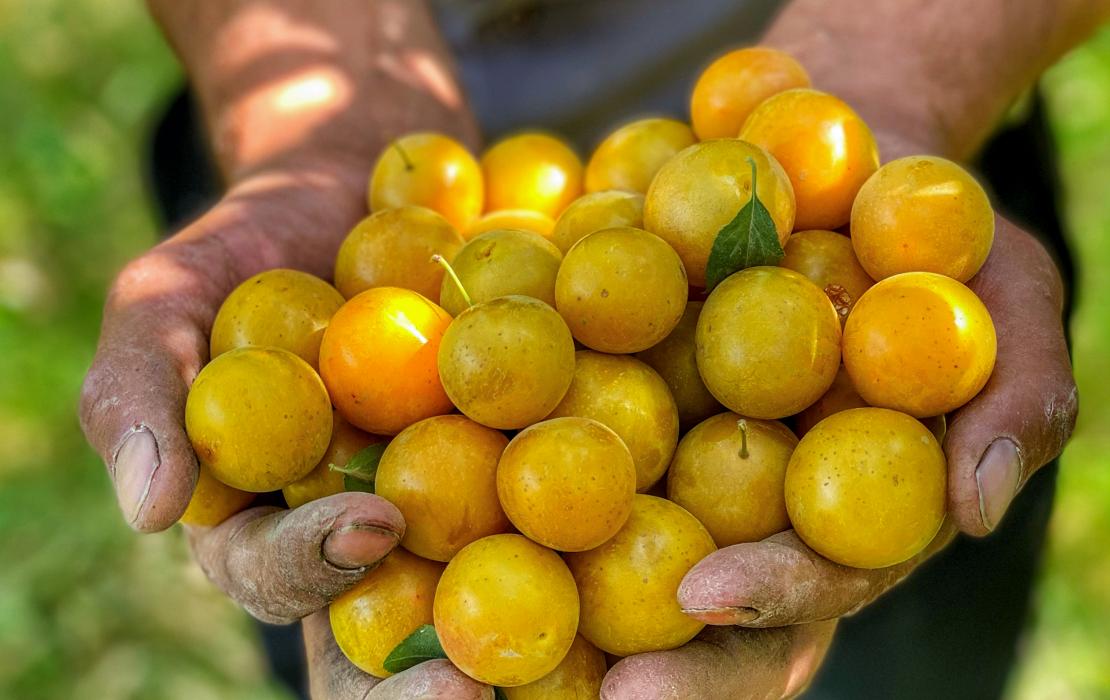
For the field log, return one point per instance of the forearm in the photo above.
(299, 97)
(937, 75)
(313, 79)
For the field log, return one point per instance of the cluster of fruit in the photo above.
(577, 395)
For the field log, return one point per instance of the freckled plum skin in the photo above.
(596, 211)
(506, 610)
(736, 83)
(733, 484)
(258, 418)
(428, 170)
(507, 363)
(502, 263)
(531, 170)
(825, 148)
(922, 214)
(577, 677)
(629, 397)
(621, 290)
(630, 156)
(768, 342)
(867, 487)
(675, 358)
(213, 501)
(629, 585)
(380, 611)
(920, 343)
(378, 359)
(394, 248)
(285, 309)
(827, 260)
(441, 473)
(703, 187)
(567, 483)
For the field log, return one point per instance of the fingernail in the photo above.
(723, 616)
(356, 546)
(997, 476)
(136, 461)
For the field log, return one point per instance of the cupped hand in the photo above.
(280, 565)
(772, 605)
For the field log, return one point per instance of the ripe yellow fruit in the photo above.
(394, 248)
(734, 84)
(840, 397)
(441, 473)
(920, 343)
(675, 359)
(501, 263)
(826, 258)
(213, 501)
(578, 677)
(516, 219)
(729, 472)
(866, 487)
(627, 396)
(922, 214)
(531, 171)
(768, 342)
(258, 418)
(825, 148)
(508, 362)
(703, 188)
(621, 290)
(506, 610)
(567, 483)
(346, 442)
(429, 170)
(629, 157)
(376, 615)
(285, 309)
(596, 211)
(629, 585)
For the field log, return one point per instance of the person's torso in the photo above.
(582, 67)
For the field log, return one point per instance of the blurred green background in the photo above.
(88, 610)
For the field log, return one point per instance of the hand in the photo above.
(1018, 423)
(280, 565)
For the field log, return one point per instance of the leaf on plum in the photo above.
(420, 646)
(750, 239)
(361, 470)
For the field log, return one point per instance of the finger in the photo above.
(1027, 410)
(282, 565)
(431, 680)
(133, 400)
(333, 677)
(781, 581)
(725, 662)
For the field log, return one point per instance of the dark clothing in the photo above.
(580, 67)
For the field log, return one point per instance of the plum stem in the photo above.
(404, 156)
(743, 426)
(442, 262)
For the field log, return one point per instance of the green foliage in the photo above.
(362, 469)
(420, 646)
(748, 240)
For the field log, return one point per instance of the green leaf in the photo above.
(420, 646)
(499, 694)
(360, 470)
(748, 240)
(353, 483)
